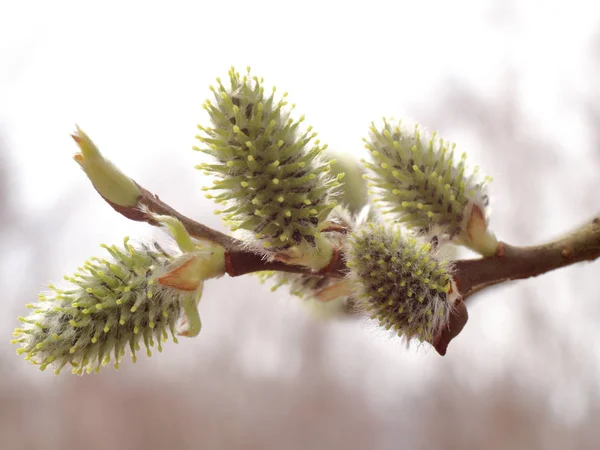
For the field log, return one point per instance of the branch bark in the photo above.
(512, 263)
(239, 259)
(472, 275)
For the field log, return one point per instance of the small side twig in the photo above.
(239, 259)
(153, 203)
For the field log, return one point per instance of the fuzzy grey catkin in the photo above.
(400, 281)
(107, 306)
(271, 177)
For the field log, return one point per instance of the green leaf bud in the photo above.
(211, 260)
(112, 184)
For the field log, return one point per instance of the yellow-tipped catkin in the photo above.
(271, 176)
(415, 176)
(108, 306)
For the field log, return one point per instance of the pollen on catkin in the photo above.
(108, 305)
(399, 280)
(271, 177)
(415, 177)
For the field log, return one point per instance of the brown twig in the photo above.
(240, 260)
(156, 205)
(471, 275)
(512, 263)
(243, 262)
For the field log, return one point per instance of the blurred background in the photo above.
(515, 83)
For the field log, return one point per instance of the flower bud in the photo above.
(401, 282)
(271, 177)
(415, 177)
(353, 190)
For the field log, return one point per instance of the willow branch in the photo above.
(509, 263)
(472, 275)
(512, 263)
(240, 259)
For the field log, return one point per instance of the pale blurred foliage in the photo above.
(264, 375)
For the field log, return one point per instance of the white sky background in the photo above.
(134, 77)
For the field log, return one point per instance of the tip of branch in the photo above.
(114, 186)
(458, 319)
(85, 144)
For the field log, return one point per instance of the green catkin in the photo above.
(354, 194)
(415, 177)
(271, 178)
(399, 280)
(108, 306)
